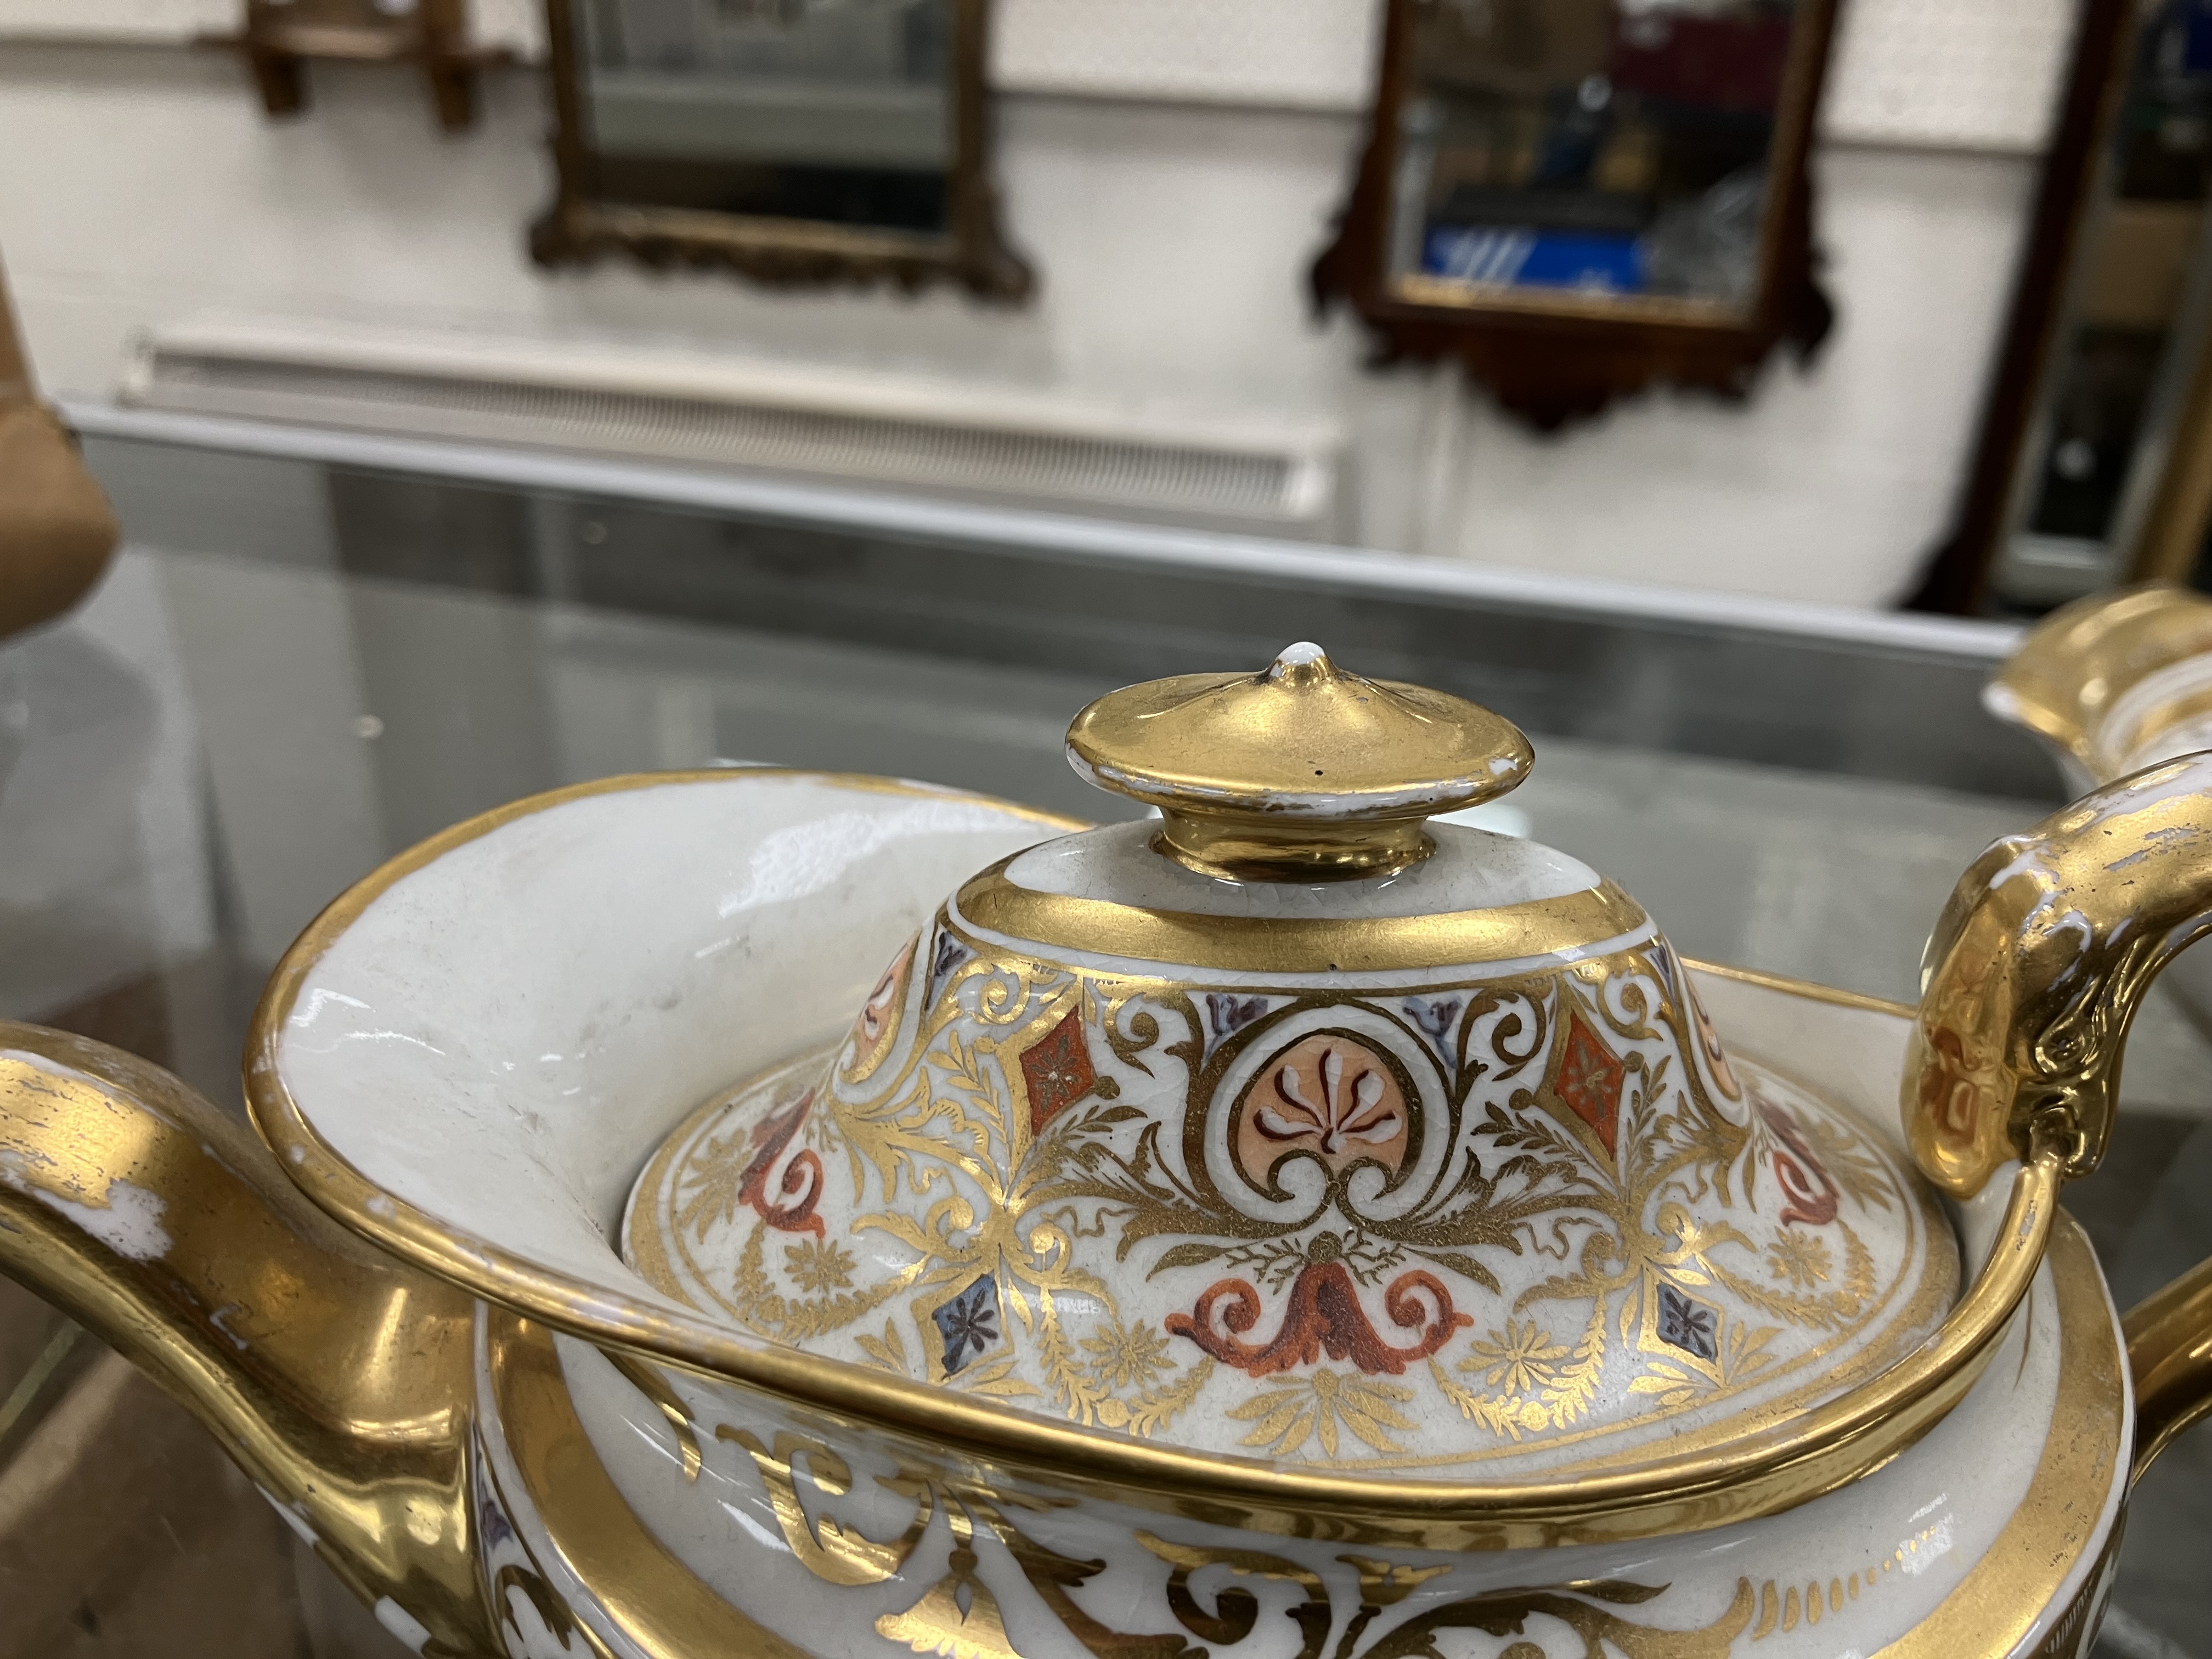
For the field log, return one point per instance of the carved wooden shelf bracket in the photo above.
(279, 38)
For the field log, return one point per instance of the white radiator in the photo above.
(973, 443)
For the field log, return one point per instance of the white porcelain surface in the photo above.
(502, 1036)
(505, 1059)
(1472, 869)
(1027, 1177)
(1909, 1533)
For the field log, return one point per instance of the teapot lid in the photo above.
(1292, 1125)
(1292, 835)
(1300, 772)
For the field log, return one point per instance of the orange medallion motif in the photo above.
(878, 1015)
(1324, 1316)
(789, 1207)
(1327, 1094)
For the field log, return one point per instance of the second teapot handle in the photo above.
(2030, 981)
(2036, 968)
(2169, 1338)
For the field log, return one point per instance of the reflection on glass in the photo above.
(1599, 147)
(828, 110)
(2131, 289)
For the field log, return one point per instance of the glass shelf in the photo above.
(303, 665)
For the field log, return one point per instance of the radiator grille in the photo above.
(1282, 487)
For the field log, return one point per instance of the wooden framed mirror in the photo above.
(797, 141)
(1575, 198)
(2092, 465)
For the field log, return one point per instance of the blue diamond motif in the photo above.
(969, 1323)
(1687, 1325)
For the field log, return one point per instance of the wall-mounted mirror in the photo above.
(1576, 197)
(795, 141)
(2093, 464)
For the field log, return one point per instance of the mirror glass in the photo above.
(836, 111)
(1597, 149)
(2112, 413)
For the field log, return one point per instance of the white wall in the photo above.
(1831, 484)
(141, 184)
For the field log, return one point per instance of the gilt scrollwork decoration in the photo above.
(1206, 1588)
(1096, 1195)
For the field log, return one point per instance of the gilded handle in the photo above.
(2037, 967)
(2169, 1336)
(2031, 976)
(340, 1380)
(2069, 681)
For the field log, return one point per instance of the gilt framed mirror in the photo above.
(797, 141)
(1575, 198)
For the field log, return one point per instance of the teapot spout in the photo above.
(338, 1378)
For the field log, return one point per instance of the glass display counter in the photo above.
(314, 652)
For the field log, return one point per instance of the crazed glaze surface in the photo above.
(811, 1541)
(854, 1553)
(1520, 1214)
(500, 1038)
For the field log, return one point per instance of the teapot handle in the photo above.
(2030, 980)
(339, 1379)
(2037, 967)
(2169, 1338)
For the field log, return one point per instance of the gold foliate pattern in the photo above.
(1436, 1221)
(959, 1616)
(523, 1601)
(984, 1546)
(1587, 1609)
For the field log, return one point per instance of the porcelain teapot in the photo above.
(2111, 684)
(1294, 1224)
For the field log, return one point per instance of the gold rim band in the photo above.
(388, 1432)
(1815, 1453)
(660, 1605)
(1599, 915)
(656, 1600)
(2008, 1594)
